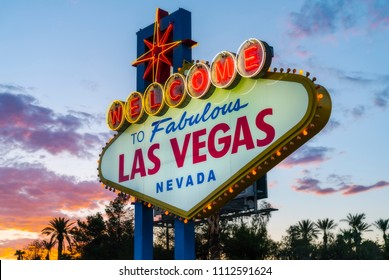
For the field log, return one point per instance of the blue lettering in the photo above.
(215, 113)
(156, 127)
(170, 128)
(159, 187)
(169, 185)
(211, 176)
(189, 181)
(206, 109)
(202, 117)
(182, 123)
(200, 178)
(179, 182)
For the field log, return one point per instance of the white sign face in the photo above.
(185, 159)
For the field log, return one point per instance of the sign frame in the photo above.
(315, 118)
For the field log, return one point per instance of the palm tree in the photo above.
(48, 245)
(20, 254)
(382, 225)
(325, 226)
(358, 226)
(59, 229)
(307, 230)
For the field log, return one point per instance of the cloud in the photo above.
(27, 125)
(338, 180)
(331, 126)
(354, 189)
(358, 111)
(310, 185)
(381, 98)
(321, 17)
(359, 79)
(326, 17)
(90, 85)
(313, 186)
(12, 88)
(307, 155)
(32, 196)
(9, 247)
(378, 13)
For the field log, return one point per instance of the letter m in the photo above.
(224, 69)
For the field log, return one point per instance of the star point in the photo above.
(157, 57)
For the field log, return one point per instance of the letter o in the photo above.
(198, 81)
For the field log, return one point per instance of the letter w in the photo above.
(116, 115)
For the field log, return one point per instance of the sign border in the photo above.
(315, 118)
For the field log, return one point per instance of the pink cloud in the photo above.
(320, 17)
(378, 14)
(31, 127)
(354, 189)
(310, 185)
(32, 195)
(9, 247)
(327, 17)
(306, 155)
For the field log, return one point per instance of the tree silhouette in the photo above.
(382, 225)
(325, 225)
(20, 254)
(307, 230)
(245, 240)
(120, 228)
(110, 239)
(358, 227)
(34, 250)
(59, 229)
(298, 243)
(90, 238)
(48, 245)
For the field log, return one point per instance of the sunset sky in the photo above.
(63, 62)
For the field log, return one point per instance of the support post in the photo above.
(184, 248)
(143, 235)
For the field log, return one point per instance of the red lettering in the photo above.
(225, 71)
(225, 141)
(200, 80)
(197, 145)
(242, 127)
(134, 107)
(180, 155)
(122, 177)
(153, 102)
(154, 159)
(265, 127)
(116, 115)
(174, 92)
(251, 58)
(138, 166)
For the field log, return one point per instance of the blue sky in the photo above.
(62, 62)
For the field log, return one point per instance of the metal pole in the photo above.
(184, 248)
(143, 234)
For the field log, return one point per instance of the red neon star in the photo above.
(156, 57)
